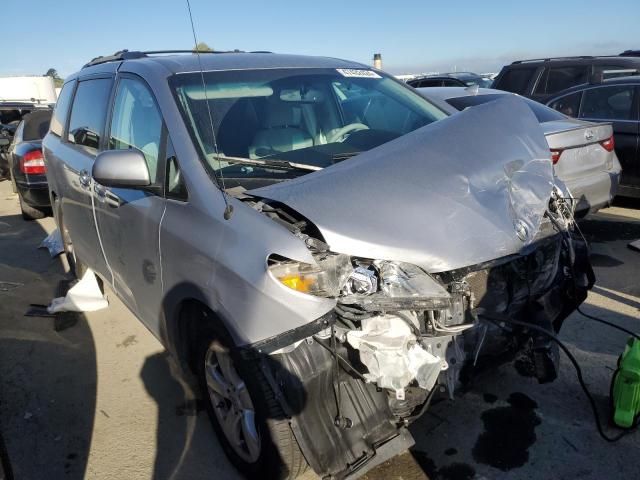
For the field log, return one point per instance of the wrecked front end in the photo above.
(378, 359)
(421, 306)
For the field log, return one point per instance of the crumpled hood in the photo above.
(464, 190)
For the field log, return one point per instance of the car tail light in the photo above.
(555, 155)
(608, 144)
(32, 163)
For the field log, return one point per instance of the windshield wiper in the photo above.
(274, 163)
(338, 157)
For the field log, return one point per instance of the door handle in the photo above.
(104, 195)
(112, 199)
(84, 178)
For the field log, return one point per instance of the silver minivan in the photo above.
(322, 247)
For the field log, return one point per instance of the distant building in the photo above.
(377, 61)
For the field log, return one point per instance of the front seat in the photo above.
(282, 131)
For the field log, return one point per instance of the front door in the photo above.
(128, 220)
(76, 155)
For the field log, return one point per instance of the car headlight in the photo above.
(375, 285)
(402, 286)
(324, 279)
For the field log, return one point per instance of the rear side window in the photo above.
(559, 78)
(435, 82)
(62, 109)
(137, 123)
(613, 71)
(88, 113)
(569, 104)
(608, 103)
(36, 125)
(516, 80)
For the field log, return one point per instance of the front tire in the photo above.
(245, 414)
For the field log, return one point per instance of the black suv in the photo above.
(541, 79)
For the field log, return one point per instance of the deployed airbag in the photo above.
(389, 351)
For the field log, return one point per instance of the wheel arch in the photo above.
(187, 315)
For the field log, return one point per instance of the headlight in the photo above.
(325, 279)
(374, 285)
(402, 287)
(362, 281)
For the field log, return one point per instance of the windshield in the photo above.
(542, 112)
(308, 117)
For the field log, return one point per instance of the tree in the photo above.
(203, 47)
(53, 73)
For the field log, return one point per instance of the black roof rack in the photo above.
(131, 55)
(116, 57)
(577, 57)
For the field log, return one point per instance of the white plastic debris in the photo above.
(85, 296)
(53, 243)
(389, 350)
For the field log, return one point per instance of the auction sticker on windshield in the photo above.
(357, 73)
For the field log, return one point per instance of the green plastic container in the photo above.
(625, 390)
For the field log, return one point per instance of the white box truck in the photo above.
(32, 89)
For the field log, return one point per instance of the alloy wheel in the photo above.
(232, 405)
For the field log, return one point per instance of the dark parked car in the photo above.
(11, 113)
(435, 81)
(455, 79)
(26, 164)
(617, 101)
(541, 79)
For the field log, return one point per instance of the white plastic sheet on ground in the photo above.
(53, 243)
(389, 350)
(85, 296)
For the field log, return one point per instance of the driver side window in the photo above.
(137, 123)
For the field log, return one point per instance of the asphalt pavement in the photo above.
(95, 395)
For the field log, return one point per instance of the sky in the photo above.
(413, 37)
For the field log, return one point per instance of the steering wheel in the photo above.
(342, 132)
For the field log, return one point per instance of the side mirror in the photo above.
(121, 168)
